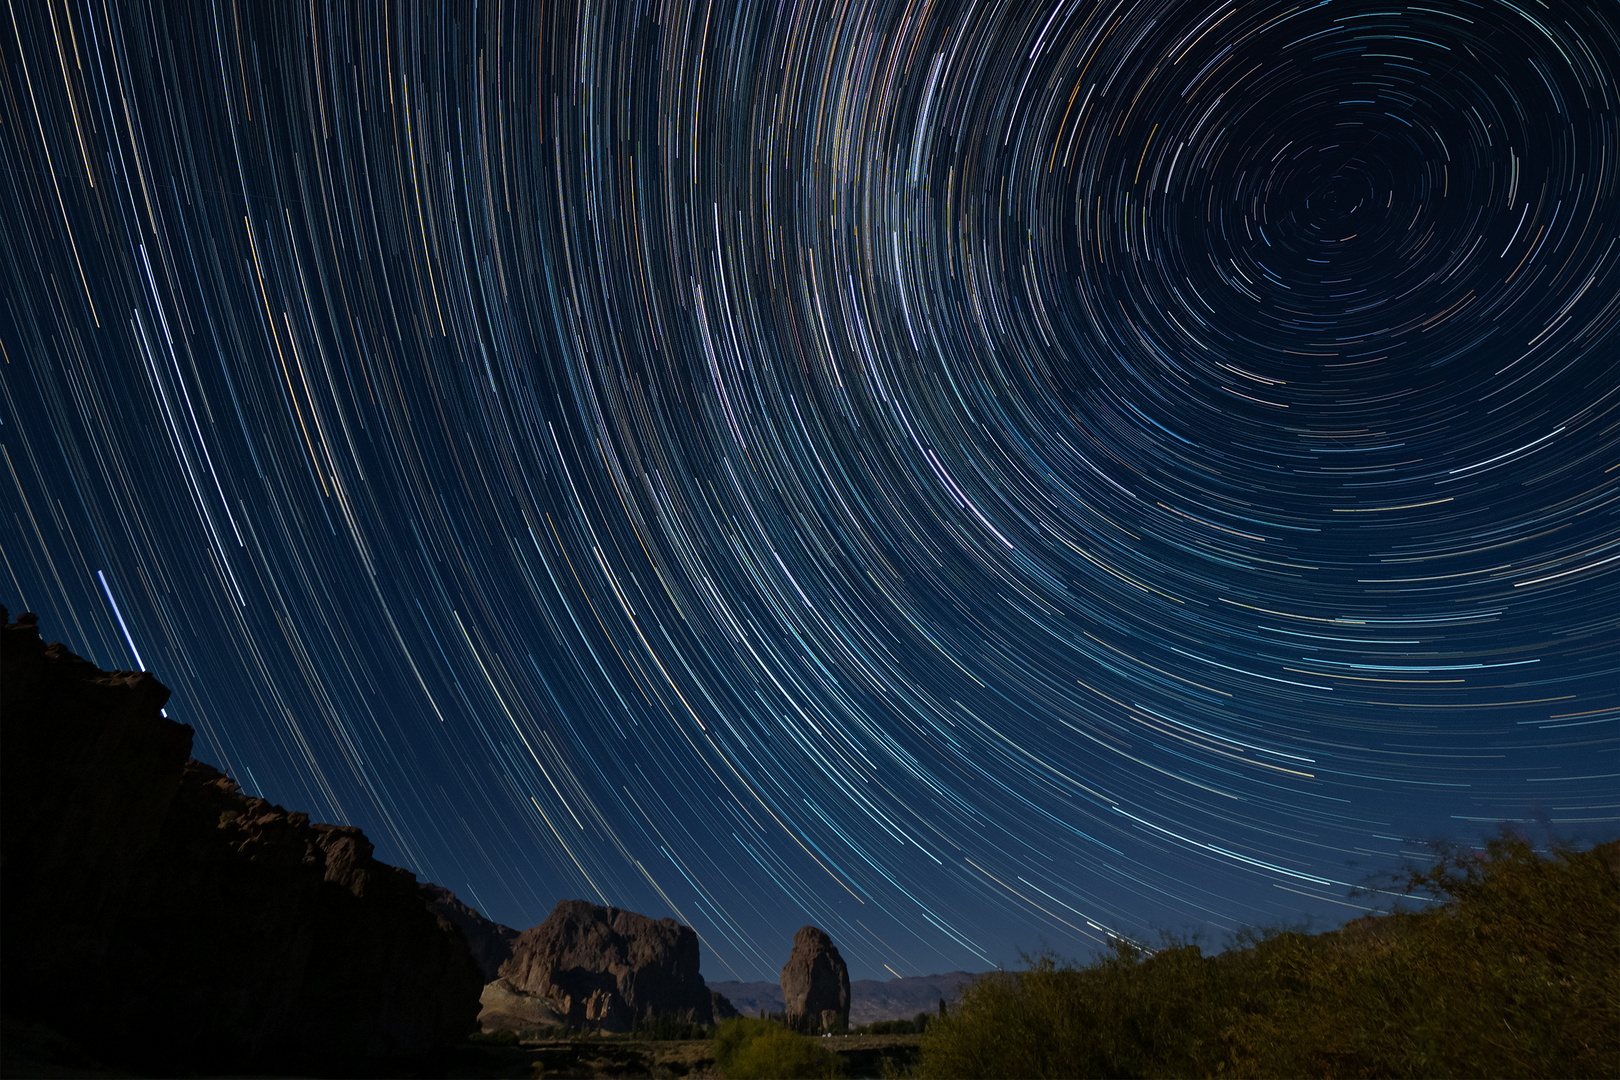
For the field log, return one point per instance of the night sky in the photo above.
(965, 475)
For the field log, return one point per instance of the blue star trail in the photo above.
(966, 475)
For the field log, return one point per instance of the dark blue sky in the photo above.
(963, 475)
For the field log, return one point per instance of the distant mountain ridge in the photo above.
(870, 1000)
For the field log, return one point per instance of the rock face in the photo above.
(193, 916)
(490, 941)
(815, 983)
(723, 1009)
(88, 768)
(601, 967)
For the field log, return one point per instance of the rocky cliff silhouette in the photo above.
(151, 911)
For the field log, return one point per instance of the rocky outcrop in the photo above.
(88, 768)
(490, 941)
(605, 968)
(723, 1009)
(815, 984)
(194, 916)
(503, 1007)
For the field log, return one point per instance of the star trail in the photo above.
(966, 475)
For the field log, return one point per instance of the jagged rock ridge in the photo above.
(204, 919)
(490, 941)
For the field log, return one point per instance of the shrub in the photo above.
(1124, 1015)
(745, 1047)
(1515, 973)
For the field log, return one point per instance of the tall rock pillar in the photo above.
(815, 984)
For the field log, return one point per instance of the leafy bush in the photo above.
(1516, 972)
(745, 1047)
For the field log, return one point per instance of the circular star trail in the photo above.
(961, 474)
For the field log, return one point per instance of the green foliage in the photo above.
(1515, 973)
(745, 1047)
(732, 1035)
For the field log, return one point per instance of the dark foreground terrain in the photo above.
(150, 911)
(32, 1050)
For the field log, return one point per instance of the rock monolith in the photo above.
(609, 969)
(815, 984)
